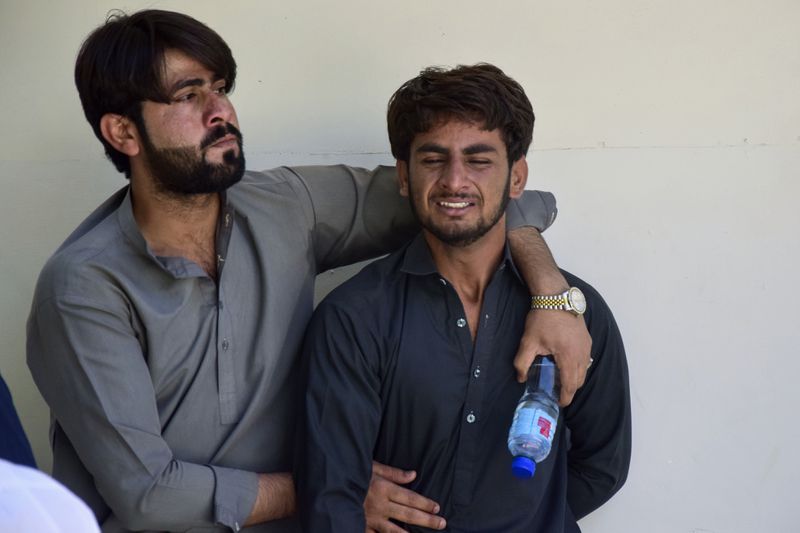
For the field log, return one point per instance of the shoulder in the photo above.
(372, 289)
(599, 318)
(596, 306)
(277, 194)
(364, 306)
(290, 180)
(88, 261)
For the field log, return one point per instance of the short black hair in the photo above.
(121, 64)
(479, 93)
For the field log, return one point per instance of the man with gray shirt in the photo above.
(164, 331)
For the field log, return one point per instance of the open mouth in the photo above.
(455, 205)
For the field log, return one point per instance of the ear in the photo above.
(519, 177)
(402, 177)
(121, 133)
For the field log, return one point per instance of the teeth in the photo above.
(454, 205)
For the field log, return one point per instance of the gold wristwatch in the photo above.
(571, 300)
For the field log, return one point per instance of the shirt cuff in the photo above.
(533, 208)
(234, 496)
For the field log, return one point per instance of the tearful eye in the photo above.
(185, 97)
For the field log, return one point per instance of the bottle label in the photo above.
(535, 421)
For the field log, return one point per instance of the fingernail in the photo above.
(435, 508)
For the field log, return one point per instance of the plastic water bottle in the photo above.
(534, 425)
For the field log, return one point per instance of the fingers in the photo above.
(409, 499)
(416, 517)
(529, 348)
(523, 361)
(386, 500)
(571, 379)
(395, 475)
(566, 338)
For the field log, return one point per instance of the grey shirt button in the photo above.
(470, 418)
(476, 372)
(461, 322)
(225, 344)
(443, 282)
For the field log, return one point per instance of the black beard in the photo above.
(182, 172)
(460, 238)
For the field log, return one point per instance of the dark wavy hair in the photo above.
(480, 94)
(121, 64)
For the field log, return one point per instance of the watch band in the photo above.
(559, 301)
(571, 300)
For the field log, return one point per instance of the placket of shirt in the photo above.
(471, 419)
(225, 338)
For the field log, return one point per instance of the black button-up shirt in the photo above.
(393, 374)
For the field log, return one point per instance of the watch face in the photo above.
(577, 300)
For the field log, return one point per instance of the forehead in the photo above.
(178, 66)
(457, 135)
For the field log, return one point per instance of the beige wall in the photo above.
(670, 132)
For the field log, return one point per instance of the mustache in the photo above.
(218, 132)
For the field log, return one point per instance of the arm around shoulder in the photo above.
(357, 213)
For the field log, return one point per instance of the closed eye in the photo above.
(186, 97)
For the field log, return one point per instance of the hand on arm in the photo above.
(386, 500)
(275, 500)
(548, 331)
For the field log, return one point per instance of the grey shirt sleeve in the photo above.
(359, 213)
(90, 367)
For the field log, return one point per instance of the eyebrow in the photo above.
(479, 149)
(472, 149)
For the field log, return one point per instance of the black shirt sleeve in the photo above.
(599, 418)
(336, 437)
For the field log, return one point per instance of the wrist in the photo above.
(553, 283)
(571, 300)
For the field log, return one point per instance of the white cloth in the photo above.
(33, 501)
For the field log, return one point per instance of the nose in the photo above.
(218, 109)
(454, 176)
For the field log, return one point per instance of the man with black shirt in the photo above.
(411, 361)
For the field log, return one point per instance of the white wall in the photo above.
(669, 130)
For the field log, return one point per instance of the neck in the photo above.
(470, 268)
(177, 226)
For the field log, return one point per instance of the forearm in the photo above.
(534, 261)
(275, 500)
(88, 365)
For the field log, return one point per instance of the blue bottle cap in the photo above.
(523, 467)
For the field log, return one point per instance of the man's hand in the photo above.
(549, 331)
(387, 499)
(565, 337)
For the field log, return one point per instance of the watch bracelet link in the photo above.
(548, 302)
